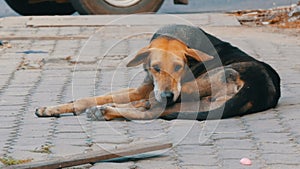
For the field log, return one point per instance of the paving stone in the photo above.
(74, 142)
(113, 165)
(149, 164)
(291, 114)
(65, 129)
(27, 155)
(66, 149)
(263, 126)
(199, 167)
(273, 137)
(29, 141)
(9, 113)
(196, 159)
(10, 100)
(195, 149)
(237, 154)
(274, 148)
(235, 164)
(230, 135)
(17, 91)
(243, 144)
(115, 139)
(256, 118)
(109, 131)
(280, 166)
(292, 159)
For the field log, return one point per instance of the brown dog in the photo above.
(186, 75)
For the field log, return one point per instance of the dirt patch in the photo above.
(281, 17)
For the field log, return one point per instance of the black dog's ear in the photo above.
(198, 55)
(140, 57)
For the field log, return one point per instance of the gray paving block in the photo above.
(148, 164)
(109, 165)
(280, 138)
(25, 155)
(235, 164)
(199, 167)
(274, 148)
(237, 154)
(243, 144)
(114, 139)
(195, 149)
(263, 126)
(196, 159)
(291, 159)
(65, 149)
(230, 135)
(12, 100)
(285, 166)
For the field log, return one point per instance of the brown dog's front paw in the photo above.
(94, 113)
(105, 111)
(45, 112)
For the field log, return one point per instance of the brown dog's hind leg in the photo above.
(216, 84)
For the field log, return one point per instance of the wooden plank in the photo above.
(96, 156)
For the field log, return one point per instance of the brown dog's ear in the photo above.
(198, 55)
(140, 57)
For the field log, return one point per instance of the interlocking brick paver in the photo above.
(274, 148)
(125, 165)
(292, 159)
(148, 164)
(235, 164)
(280, 166)
(197, 159)
(86, 60)
(198, 167)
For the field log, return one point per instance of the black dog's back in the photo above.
(261, 90)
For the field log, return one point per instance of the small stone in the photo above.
(245, 161)
(8, 45)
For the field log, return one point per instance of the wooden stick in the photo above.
(96, 156)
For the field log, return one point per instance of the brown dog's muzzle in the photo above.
(167, 96)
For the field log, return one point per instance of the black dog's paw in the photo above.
(95, 113)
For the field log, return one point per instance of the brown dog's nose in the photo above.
(168, 97)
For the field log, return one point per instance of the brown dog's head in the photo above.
(165, 59)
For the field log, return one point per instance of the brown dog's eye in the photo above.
(156, 68)
(177, 68)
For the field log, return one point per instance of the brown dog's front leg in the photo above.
(78, 106)
(139, 111)
(74, 107)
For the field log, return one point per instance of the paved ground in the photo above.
(83, 56)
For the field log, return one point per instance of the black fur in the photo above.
(262, 83)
